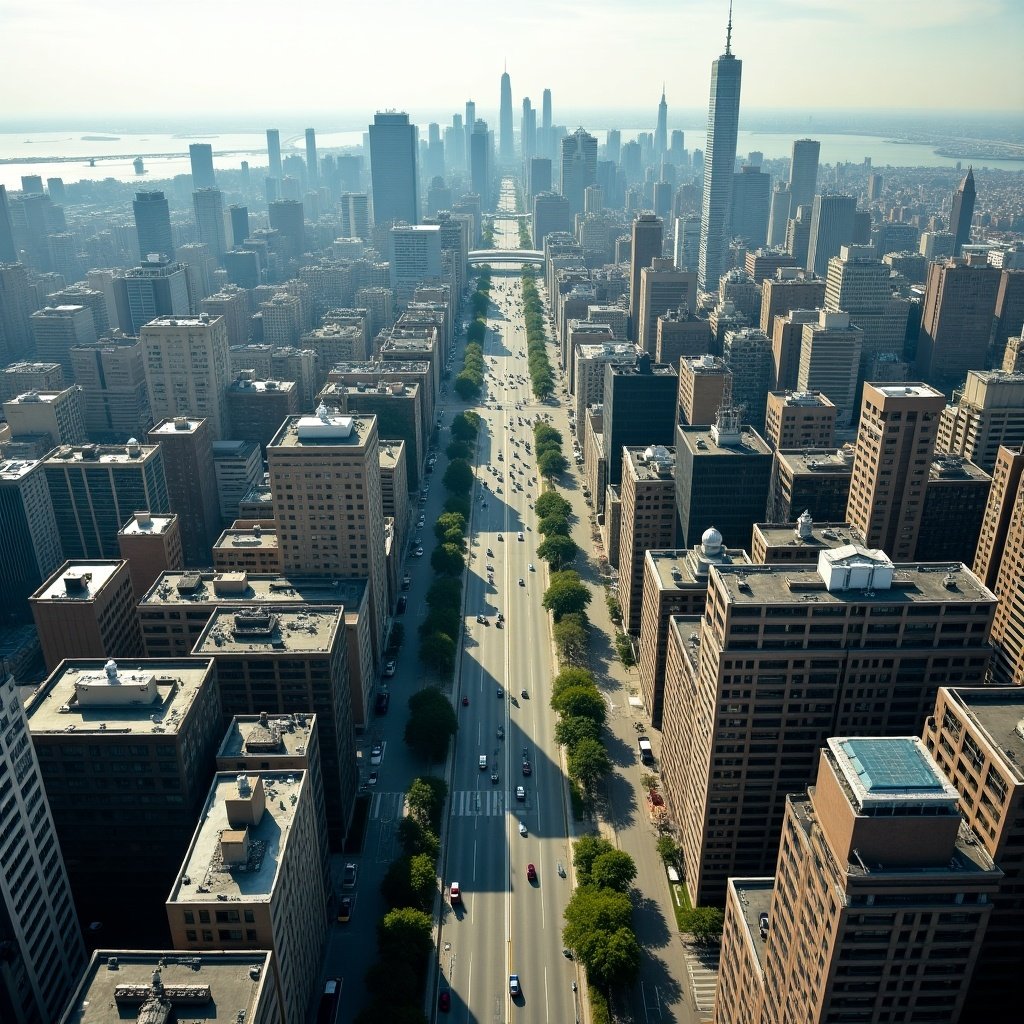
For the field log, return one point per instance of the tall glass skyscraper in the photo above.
(201, 156)
(719, 164)
(153, 225)
(393, 169)
(506, 148)
(274, 153)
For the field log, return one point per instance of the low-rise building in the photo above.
(150, 544)
(247, 546)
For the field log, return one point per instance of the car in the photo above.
(406, 581)
(762, 922)
(531, 567)
(521, 537)
(483, 504)
(455, 893)
(418, 552)
(482, 762)
(522, 582)
(520, 792)
(376, 754)
(513, 985)
(351, 873)
(382, 702)
(389, 669)
(372, 780)
(490, 568)
(531, 873)
(403, 603)
(527, 768)
(465, 702)
(418, 541)
(500, 537)
(345, 910)
(444, 1000)
(494, 776)
(482, 618)
(490, 552)
(501, 616)
(501, 692)
(421, 522)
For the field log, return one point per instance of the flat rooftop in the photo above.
(231, 588)
(78, 581)
(391, 452)
(652, 463)
(137, 698)
(755, 898)
(259, 536)
(200, 320)
(674, 566)
(204, 867)
(817, 461)
(273, 735)
(324, 430)
(177, 425)
(16, 469)
(954, 469)
(101, 454)
(603, 352)
(261, 387)
(802, 399)
(823, 536)
(688, 629)
(211, 986)
(700, 440)
(383, 369)
(148, 526)
(34, 397)
(270, 631)
(891, 770)
(235, 450)
(908, 390)
(997, 713)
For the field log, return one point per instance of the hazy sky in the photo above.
(265, 59)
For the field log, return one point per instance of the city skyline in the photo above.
(677, 49)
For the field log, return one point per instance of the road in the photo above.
(505, 923)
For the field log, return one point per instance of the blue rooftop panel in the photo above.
(891, 766)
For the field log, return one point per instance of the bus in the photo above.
(330, 1002)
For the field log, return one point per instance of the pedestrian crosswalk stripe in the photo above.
(482, 802)
(386, 805)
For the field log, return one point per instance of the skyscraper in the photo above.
(661, 132)
(470, 122)
(480, 162)
(208, 204)
(528, 131)
(8, 253)
(201, 156)
(506, 151)
(832, 220)
(274, 153)
(157, 287)
(647, 241)
(393, 168)
(803, 173)
(579, 167)
(153, 225)
(544, 142)
(719, 161)
(962, 212)
(312, 164)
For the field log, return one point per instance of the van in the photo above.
(646, 752)
(483, 762)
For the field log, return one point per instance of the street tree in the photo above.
(706, 924)
(591, 910)
(431, 724)
(569, 730)
(551, 503)
(613, 869)
(580, 702)
(566, 594)
(572, 676)
(404, 934)
(551, 463)
(585, 851)
(553, 526)
(458, 477)
(613, 958)
(437, 651)
(448, 522)
(448, 560)
(571, 638)
(588, 763)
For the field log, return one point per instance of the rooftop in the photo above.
(802, 399)
(652, 463)
(325, 429)
(820, 536)
(679, 569)
(907, 390)
(140, 697)
(755, 898)
(38, 397)
(955, 468)
(202, 320)
(261, 535)
(701, 440)
(261, 387)
(606, 350)
(78, 581)
(15, 469)
(101, 454)
(237, 630)
(391, 452)
(817, 461)
(233, 588)
(208, 872)
(280, 735)
(998, 713)
(890, 771)
(145, 524)
(235, 450)
(214, 986)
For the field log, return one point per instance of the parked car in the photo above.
(349, 877)
(389, 669)
(382, 702)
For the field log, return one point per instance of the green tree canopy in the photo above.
(569, 730)
(445, 593)
(588, 762)
(572, 676)
(422, 880)
(459, 450)
(613, 958)
(458, 477)
(543, 432)
(553, 526)
(415, 838)
(585, 851)
(591, 910)
(457, 503)
(551, 463)
(465, 426)
(551, 503)
(466, 386)
(404, 934)
(448, 560)
(566, 594)
(426, 798)
(571, 638)
(580, 702)
(437, 651)
(668, 851)
(613, 869)
(447, 522)
(706, 924)
(431, 724)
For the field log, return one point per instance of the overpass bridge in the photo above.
(479, 256)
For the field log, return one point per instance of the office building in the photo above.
(962, 213)
(188, 369)
(662, 288)
(748, 354)
(798, 543)
(539, 176)
(551, 213)
(803, 173)
(506, 143)
(208, 204)
(873, 859)
(251, 874)
(239, 216)
(749, 209)
(290, 660)
(810, 479)
(95, 489)
(8, 250)
(30, 546)
(201, 157)
(153, 225)
(111, 376)
(956, 320)
(975, 737)
(999, 513)
(312, 164)
(186, 444)
(415, 254)
(763, 264)
(56, 415)
(647, 241)
(150, 545)
(722, 477)
(56, 329)
(480, 162)
(393, 171)
(256, 408)
(224, 987)
(113, 706)
(986, 413)
(794, 626)
(705, 386)
(235, 306)
(581, 334)
(578, 168)
(830, 353)
(639, 409)
(155, 288)
(719, 165)
(648, 520)
(589, 371)
(287, 216)
(318, 531)
(787, 339)
(954, 507)
(17, 378)
(832, 227)
(679, 334)
(274, 153)
(248, 546)
(43, 952)
(778, 214)
(800, 419)
(1009, 313)
(237, 467)
(86, 609)
(895, 443)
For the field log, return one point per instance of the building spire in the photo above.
(728, 32)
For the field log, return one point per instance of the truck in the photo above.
(646, 753)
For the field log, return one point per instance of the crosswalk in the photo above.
(702, 966)
(466, 803)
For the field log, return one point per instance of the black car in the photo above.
(382, 702)
(403, 601)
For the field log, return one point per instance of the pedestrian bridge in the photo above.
(478, 256)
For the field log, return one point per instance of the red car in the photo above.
(531, 873)
(444, 1001)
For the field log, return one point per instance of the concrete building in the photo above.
(898, 428)
(999, 513)
(675, 582)
(987, 413)
(187, 448)
(96, 489)
(114, 707)
(153, 225)
(955, 497)
(800, 419)
(224, 987)
(764, 264)
(830, 358)
(393, 169)
(56, 414)
(257, 408)
(415, 254)
(289, 660)
(648, 520)
(975, 738)
(578, 167)
(877, 841)
(57, 329)
(208, 205)
(800, 542)
(252, 876)
(281, 317)
(394, 490)
(680, 335)
(616, 317)
(589, 371)
(87, 610)
(188, 369)
(647, 241)
(662, 288)
(787, 338)
(43, 952)
(722, 477)
(814, 479)
(234, 305)
(17, 378)
(112, 376)
(580, 333)
(248, 546)
(748, 354)
(237, 467)
(155, 288)
(831, 227)
(551, 214)
(792, 627)
(150, 544)
(705, 386)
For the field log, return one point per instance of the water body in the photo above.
(66, 154)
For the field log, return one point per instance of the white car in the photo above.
(531, 568)
(520, 792)
(513, 984)
(418, 552)
(521, 537)
(389, 669)
(376, 754)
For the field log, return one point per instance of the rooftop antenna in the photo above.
(728, 32)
